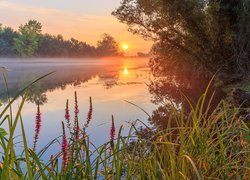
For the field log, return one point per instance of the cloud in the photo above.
(49, 12)
(27, 8)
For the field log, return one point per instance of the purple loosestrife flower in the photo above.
(52, 163)
(64, 149)
(83, 145)
(89, 116)
(38, 125)
(112, 133)
(67, 115)
(76, 123)
(76, 105)
(77, 131)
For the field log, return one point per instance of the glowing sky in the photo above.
(84, 20)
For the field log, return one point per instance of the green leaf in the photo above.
(38, 162)
(5, 173)
(246, 135)
(29, 169)
(3, 132)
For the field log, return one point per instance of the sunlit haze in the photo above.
(85, 20)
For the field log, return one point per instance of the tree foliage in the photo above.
(26, 43)
(192, 34)
(7, 36)
(108, 46)
(56, 46)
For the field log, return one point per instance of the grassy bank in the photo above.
(203, 145)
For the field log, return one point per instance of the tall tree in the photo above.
(192, 33)
(108, 46)
(7, 36)
(26, 42)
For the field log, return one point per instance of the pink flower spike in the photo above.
(67, 115)
(52, 165)
(37, 126)
(112, 132)
(76, 123)
(77, 130)
(89, 117)
(76, 105)
(64, 149)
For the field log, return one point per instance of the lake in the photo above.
(109, 81)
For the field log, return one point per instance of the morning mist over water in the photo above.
(109, 81)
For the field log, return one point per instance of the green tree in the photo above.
(108, 46)
(192, 34)
(27, 40)
(57, 46)
(7, 36)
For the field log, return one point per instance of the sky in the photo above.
(85, 20)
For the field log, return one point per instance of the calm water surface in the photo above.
(108, 81)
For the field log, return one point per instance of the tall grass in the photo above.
(214, 145)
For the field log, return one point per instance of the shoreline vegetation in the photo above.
(203, 145)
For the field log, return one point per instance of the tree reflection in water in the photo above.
(170, 90)
(37, 95)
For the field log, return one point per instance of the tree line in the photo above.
(29, 41)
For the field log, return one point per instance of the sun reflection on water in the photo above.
(125, 71)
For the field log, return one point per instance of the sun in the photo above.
(125, 47)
